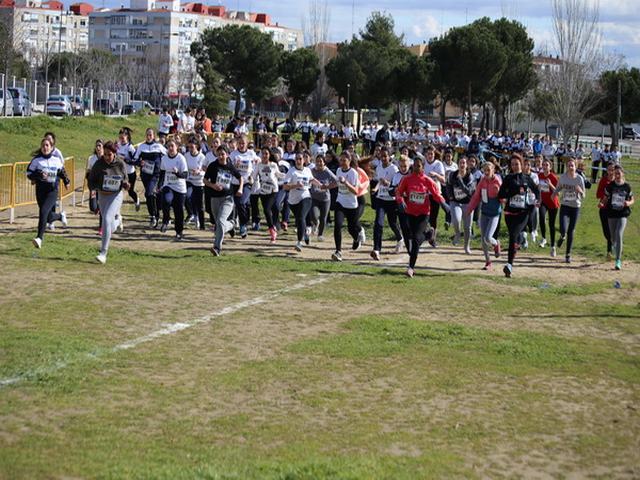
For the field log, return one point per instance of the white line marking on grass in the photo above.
(169, 329)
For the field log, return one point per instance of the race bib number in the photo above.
(617, 201)
(224, 180)
(569, 195)
(517, 201)
(383, 191)
(50, 174)
(459, 194)
(148, 168)
(171, 178)
(342, 188)
(418, 198)
(195, 178)
(111, 183)
(267, 188)
(243, 166)
(485, 195)
(544, 186)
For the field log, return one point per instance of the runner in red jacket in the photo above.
(412, 196)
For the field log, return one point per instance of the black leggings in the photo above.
(568, 220)
(255, 208)
(132, 187)
(301, 210)
(320, 218)
(433, 213)
(604, 221)
(150, 183)
(267, 206)
(390, 209)
(553, 213)
(46, 198)
(171, 198)
(362, 202)
(194, 202)
(353, 224)
(516, 225)
(417, 227)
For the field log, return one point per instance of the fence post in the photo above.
(59, 89)
(35, 93)
(13, 193)
(24, 83)
(91, 100)
(13, 81)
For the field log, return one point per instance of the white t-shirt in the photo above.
(244, 163)
(92, 161)
(436, 167)
(170, 179)
(303, 176)
(165, 122)
(195, 163)
(318, 150)
(127, 152)
(265, 175)
(346, 197)
(383, 173)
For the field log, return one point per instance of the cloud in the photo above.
(427, 27)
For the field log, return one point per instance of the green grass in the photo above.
(366, 376)
(75, 135)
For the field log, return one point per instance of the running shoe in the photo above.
(102, 258)
(63, 219)
(375, 254)
(362, 237)
(285, 226)
(534, 237)
(336, 256)
(618, 265)
(543, 243)
(37, 242)
(356, 244)
(431, 238)
(153, 223)
(121, 225)
(163, 227)
(487, 266)
(410, 272)
(507, 270)
(609, 256)
(214, 251)
(553, 251)
(138, 205)
(320, 238)
(178, 238)
(298, 246)
(455, 240)
(496, 250)
(232, 232)
(560, 241)
(467, 250)
(243, 231)
(273, 234)
(100, 231)
(51, 227)
(256, 226)
(399, 245)
(567, 259)
(306, 235)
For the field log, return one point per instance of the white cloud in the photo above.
(427, 27)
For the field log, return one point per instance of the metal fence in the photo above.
(16, 190)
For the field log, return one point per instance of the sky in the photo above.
(420, 20)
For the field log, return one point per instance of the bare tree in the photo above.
(572, 85)
(316, 34)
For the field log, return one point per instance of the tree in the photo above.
(469, 63)
(316, 34)
(300, 72)
(412, 80)
(572, 85)
(247, 59)
(606, 110)
(519, 77)
(538, 105)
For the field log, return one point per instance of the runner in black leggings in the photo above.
(514, 194)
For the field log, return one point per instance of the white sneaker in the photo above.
(399, 245)
(120, 227)
(51, 227)
(362, 237)
(534, 237)
(138, 205)
(309, 231)
(102, 258)
(37, 242)
(553, 251)
(63, 219)
(336, 256)
(543, 243)
(467, 250)
(375, 255)
(298, 247)
(321, 238)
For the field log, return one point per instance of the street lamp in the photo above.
(348, 92)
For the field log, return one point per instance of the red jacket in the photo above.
(604, 181)
(414, 191)
(546, 198)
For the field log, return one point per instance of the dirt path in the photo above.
(535, 263)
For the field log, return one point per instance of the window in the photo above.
(118, 20)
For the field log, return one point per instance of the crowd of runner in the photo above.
(240, 179)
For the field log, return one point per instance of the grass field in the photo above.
(315, 370)
(167, 363)
(75, 135)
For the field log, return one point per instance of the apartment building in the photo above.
(42, 29)
(157, 35)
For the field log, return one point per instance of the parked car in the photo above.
(21, 102)
(59, 105)
(630, 133)
(422, 124)
(453, 123)
(9, 102)
(127, 110)
(139, 105)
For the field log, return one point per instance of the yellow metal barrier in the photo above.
(16, 190)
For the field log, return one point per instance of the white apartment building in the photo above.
(156, 36)
(42, 29)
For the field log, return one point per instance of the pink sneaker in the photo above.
(496, 250)
(273, 234)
